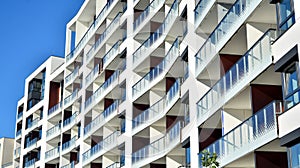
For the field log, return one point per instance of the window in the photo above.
(291, 85)
(188, 156)
(285, 15)
(294, 156)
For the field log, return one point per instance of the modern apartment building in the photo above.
(153, 84)
(6, 152)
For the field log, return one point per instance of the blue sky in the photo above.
(30, 31)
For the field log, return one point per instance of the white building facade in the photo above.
(153, 84)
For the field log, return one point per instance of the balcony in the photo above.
(71, 120)
(33, 123)
(91, 31)
(105, 145)
(17, 152)
(18, 133)
(105, 35)
(158, 110)
(253, 63)
(71, 98)
(55, 108)
(20, 115)
(70, 165)
(92, 75)
(114, 165)
(100, 92)
(100, 120)
(160, 70)
(54, 131)
(111, 54)
(230, 23)
(158, 148)
(256, 131)
(52, 154)
(31, 143)
(69, 145)
(152, 8)
(30, 163)
(144, 50)
(72, 76)
(201, 10)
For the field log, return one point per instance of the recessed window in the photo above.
(291, 85)
(285, 14)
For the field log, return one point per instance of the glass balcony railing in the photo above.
(90, 32)
(151, 8)
(33, 123)
(167, 142)
(162, 30)
(17, 152)
(54, 108)
(105, 144)
(71, 97)
(69, 144)
(92, 75)
(19, 132)
(31, 142)
(112, 26)
(20, 114)
(249, 66)
(252, 133)
(52, 153)
(160, 107)
(72, 76)
(53, 130)
(114, 165)
(110, 55)
(143, 84)
(230, 23)
(70, 120)
(30, 163)
(70, 165)
(99, 92)
(100, 119)
(201, 9)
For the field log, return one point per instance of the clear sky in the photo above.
(30, 31)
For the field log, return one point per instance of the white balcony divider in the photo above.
(52, 153)
(144, 84)
(110, 28)
(158, 148)
(143, 50)
(71, 97)
(106, 144)
(55, 108)
(201, 10)
(251, 134)
(240, 75)
(53, 130)
(72, 76)
(71, 120)
(92, 75)
(114, 165)
(33, 123)
(157, 110)
(230, 23)
(70, 165)
(111, 54)
(99, 92)
(100, 119)
(91, 31)
(151, 8)
(70, 144)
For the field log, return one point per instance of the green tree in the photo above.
(209, 159)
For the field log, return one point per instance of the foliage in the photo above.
(209, 160)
